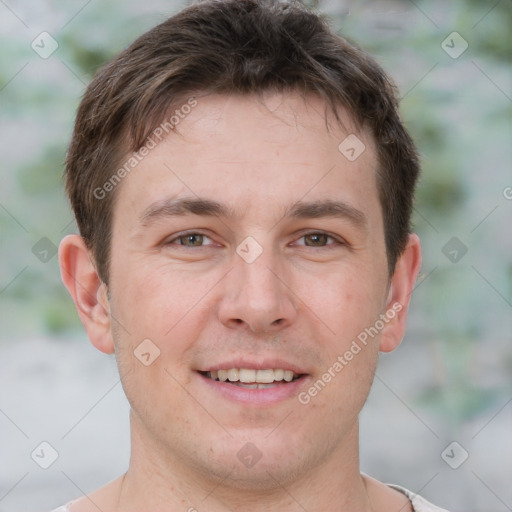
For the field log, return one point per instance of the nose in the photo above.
(257, 297)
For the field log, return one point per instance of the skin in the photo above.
(303, 300)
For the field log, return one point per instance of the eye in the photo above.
(316, 240)
(191, 240)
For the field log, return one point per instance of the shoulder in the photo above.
(64, 508)
(419, 503)
(100, 499)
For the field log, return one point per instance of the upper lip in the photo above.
(265, 364)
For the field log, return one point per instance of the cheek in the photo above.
(154, 300)
(159, 317)
(347, 305)
(160, 325)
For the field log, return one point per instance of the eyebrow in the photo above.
(179, 207)
(328, 208)
(207, 207)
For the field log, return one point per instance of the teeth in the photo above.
(251, 378)
(233, 375)
(265, 376)
(253, 386)
(278, 374)
(247, 375)
(247, 386)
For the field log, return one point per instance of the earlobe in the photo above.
(399, 296)
(88, 292)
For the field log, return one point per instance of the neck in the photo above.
(158, 480)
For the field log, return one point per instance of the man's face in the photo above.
(248, 240)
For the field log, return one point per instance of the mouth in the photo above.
(250, 378)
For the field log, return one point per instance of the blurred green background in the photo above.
(455, 365)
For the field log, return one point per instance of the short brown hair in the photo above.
(232, 46)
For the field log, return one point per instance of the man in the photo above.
(243, 186)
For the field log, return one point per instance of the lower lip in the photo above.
(265, 396)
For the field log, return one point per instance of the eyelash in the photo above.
(185, 235)
(334, 240)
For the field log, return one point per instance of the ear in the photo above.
(399, 297)
(88, 292)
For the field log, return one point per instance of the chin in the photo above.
(261, 462)
(268, 474)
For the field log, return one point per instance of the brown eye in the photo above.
(192, 240)
(316, 239)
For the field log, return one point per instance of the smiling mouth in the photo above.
(253, 379)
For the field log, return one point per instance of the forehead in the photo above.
(277, 120)
(244, 149)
